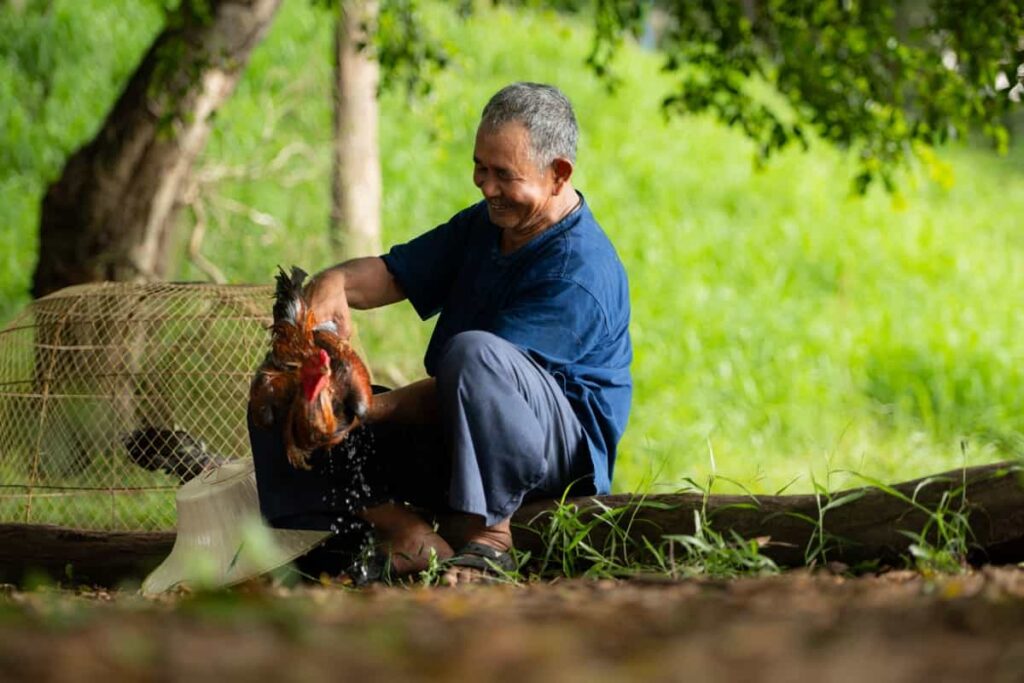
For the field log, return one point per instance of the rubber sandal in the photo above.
(375, 568)
(492, 563)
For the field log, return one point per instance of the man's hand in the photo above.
(414, 403)
(361, 283)
(328, 299)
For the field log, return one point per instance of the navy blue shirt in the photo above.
(562, 297)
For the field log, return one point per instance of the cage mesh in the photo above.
(113, 394)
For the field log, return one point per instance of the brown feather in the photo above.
(351, 379)
(270, 391)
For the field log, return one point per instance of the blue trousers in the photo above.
(506, 434)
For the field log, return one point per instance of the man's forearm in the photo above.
(365, 283)
(358, 283)
(415, 403)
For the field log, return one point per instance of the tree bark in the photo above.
(111, 214)
(354, 228)
(82, 557)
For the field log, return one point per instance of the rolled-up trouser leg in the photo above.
(510, 429)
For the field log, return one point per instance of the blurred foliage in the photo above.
(884, 78)
(873, 75)
(408, 52)
(409, 55)
(62, 65)
(774, 317)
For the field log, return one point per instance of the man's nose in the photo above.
(488, 187)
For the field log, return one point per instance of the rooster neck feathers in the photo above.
(289, 304)
(292, 329)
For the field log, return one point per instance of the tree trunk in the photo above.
(356, 180)
(111, 214)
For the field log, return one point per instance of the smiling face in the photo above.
(522, 199)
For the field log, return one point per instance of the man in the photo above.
(529, 386)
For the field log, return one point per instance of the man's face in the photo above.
(519, 195)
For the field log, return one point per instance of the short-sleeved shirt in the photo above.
(562, 297)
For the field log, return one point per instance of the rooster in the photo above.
(173, 451)
(312, 384)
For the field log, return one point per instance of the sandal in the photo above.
(492, 563)
(375, 568)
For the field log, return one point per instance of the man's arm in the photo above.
(364, 283)
(360, 283)
(414, 403)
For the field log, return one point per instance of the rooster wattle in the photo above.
(312, 384)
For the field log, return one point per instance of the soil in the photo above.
(799, 626)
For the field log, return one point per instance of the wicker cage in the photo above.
(113, 394)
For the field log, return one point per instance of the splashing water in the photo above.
(349, 493)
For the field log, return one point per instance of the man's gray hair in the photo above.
(545, 113)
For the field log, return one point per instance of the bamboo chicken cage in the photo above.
(113, 394)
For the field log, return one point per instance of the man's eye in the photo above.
(504, 175)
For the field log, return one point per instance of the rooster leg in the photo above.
(298, 458)
(340, 435)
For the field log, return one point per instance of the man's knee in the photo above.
(468, 352)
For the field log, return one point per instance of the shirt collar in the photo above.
(567, 223)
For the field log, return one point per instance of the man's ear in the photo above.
(562, 168)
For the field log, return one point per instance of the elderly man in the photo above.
(529, 386)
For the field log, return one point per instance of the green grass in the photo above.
(944, 542)
(792, 327)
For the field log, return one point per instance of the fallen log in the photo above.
(868, 524)
(862, 525)
(102, 558)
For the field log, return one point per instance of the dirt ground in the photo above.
(898, 626)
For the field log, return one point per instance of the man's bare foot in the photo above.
(406, 537)
(471, 529)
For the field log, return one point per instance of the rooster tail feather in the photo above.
(289, 304)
